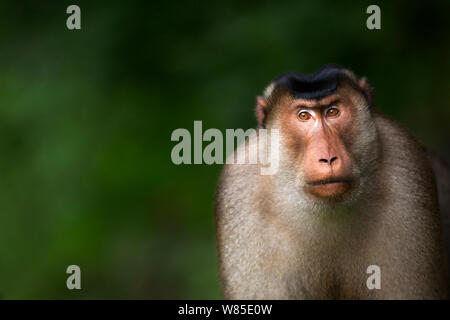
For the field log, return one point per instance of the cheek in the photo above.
(347, 129)
(294, 135)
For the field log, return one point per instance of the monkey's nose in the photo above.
(329, 160)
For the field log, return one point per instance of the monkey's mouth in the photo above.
(331, 188)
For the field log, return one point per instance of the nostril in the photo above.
(323, 160)
(333, 159)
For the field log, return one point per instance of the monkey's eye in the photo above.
(332, 112)
(304, 116)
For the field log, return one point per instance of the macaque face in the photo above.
(319, 135)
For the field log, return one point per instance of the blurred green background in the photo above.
(86, 118)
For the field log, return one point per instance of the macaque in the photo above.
(353, 189)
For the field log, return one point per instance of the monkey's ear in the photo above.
(367, 89)
(261, 110)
